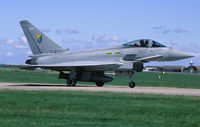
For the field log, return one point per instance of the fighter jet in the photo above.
(90, 66)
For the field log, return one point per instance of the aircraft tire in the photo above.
(99, 84)
(71, 82)
(132, 84)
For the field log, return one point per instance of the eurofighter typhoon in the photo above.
(89, 66)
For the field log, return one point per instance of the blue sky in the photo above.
(88, 24)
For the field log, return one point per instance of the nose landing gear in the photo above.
(132, 83)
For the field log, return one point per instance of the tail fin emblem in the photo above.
(39, 38)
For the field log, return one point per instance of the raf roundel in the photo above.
(39, 38)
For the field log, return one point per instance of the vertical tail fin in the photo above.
(38, 41)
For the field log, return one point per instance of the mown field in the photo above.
(141, 78)
(82, 109)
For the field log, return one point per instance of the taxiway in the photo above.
(106, 88)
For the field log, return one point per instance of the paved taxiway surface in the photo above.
(106, 88)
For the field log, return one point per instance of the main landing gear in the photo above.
(71, 81)
(99, 84)
(132, 83)
(99, 79)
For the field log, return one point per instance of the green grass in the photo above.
(141, 78)
(82, 109)
(29, 76)
(167, 80)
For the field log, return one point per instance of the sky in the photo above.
(91, 24)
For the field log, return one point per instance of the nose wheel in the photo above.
(132, 83)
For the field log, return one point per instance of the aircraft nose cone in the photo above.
(178, 55)
(188, 55)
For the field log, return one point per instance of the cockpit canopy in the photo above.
(144, 43)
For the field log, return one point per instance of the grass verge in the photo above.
(65, 108)
(141, 78)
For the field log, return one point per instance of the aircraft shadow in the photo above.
(46, 85)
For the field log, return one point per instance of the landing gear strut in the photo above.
(132, 83)
(71, 81)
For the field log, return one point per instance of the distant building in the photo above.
(165, 68)
(173, 68)
(151, 68)
(189, 69)
(192, 69)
